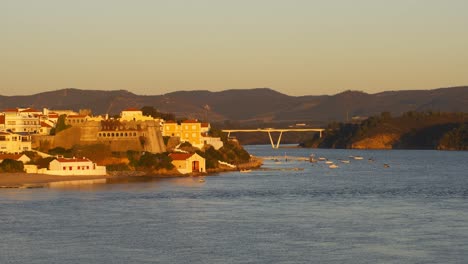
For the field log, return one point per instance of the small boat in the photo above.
(386, 165)
(312, 158)
(333, 166)
(345, 161)
(322, 158)
(358, 158)
(245, 171)
(328, 162)
(201, 180)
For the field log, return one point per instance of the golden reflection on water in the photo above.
(140, 182)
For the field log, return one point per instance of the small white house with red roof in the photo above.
(18, 157)
(74, 166)
(188, 162)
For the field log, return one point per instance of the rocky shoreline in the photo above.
(28, 180)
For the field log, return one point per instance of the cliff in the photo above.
(412, 130)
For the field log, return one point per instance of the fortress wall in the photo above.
(131, 135)
(154, 142)
(67, 138)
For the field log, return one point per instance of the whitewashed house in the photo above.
(133, 114)
(74, 166)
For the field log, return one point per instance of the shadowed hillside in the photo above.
(252, 105)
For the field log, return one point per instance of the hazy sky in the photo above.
(296, 47)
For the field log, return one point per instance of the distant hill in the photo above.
(251, 105)
(413, 130)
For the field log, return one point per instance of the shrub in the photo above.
(9, 165)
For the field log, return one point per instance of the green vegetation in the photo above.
(118, 167)
(60, 125)
(151, 111)
(94, 152)
(9, 165)
(232, 152)
(150, 161)
(412, 130)
(456, 139)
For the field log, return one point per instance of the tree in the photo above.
(60, 126)
(9, 165)
(153, 112)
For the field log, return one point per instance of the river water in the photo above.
(414, 211)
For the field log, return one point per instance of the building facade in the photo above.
(192, 131)
(11, 142)
(188, 162)
(74, 166)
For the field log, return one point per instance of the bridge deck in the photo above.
(269, 130)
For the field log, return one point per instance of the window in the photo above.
(71, 168)
(64, 168)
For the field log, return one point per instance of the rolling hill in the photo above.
(250, 105)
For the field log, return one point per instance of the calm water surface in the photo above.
(415, 211)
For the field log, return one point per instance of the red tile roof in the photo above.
(205, 124)
(44, 124)
(180, 156)
(10, 110)
(191, 121)
(30, 110)
(76, 116)
(72, 159)
(53, 115)
(171, 122)
(10, 156)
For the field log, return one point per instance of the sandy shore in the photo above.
(25, 179)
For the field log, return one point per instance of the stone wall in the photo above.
(129, 135)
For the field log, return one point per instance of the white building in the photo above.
(192, 131)
(26, 120)
(133, 114)
(14, 142)
(74, 166)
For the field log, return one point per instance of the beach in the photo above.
(18, 180)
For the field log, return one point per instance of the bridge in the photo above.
(270, 130)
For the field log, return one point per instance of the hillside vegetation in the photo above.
(412, 130)
(257, 105)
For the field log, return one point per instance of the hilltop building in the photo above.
(28, 120)
(192, 131)
(133, 114)
(132, 131)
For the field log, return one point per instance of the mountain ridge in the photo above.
(244, 105)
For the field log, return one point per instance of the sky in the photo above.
(297, 47)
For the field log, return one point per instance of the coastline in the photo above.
(34, 180)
